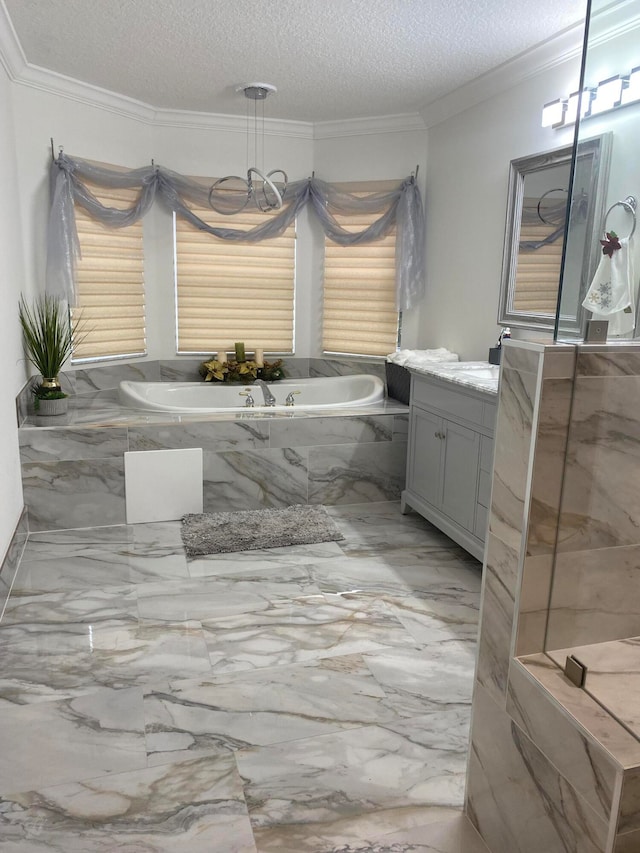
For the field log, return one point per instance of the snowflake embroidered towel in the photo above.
(611, 295)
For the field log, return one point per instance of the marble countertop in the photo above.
(479, 375)
(103, 409)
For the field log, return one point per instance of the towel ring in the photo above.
(540, 216)
(629, 205)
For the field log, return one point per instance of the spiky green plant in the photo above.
(48, 334)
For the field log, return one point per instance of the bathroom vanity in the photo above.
(450, 452)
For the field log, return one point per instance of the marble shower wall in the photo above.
(550, 769)
(531, 434)
(519, 797)
(597, 567)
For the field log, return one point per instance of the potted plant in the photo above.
(49, 335)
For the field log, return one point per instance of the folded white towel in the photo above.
(612, 293)
(421, 356)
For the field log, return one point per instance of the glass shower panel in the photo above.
(594, 605)
(590, 291)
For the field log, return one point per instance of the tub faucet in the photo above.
(269, 399)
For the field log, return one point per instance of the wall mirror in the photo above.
(537, 208)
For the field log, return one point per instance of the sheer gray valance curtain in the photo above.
(400, 207)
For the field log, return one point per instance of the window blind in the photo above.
(538, 270)
(229, 291)
(359, 315)
(110, 280)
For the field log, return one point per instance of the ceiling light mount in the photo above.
(232, 194)
(256, 91)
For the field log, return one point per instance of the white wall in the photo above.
(11, 357)
(465, 202)
(83, 130)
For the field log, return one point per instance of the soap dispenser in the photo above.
(496, 351)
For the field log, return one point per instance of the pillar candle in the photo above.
(259, 357)
(222, 357)
(240, 356)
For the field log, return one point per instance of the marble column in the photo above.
(550, 769)
(516, 797)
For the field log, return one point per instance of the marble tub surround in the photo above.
(83, 381)
(73, 472)
(308, 699)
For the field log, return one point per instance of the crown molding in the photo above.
(12, 56)
(618, 18)
(400, 123)
(615, 20)
(54, 83)
(32, 76)
(562, 48)
(23, 73)
(230, 123)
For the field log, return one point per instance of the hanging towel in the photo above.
(611, 295)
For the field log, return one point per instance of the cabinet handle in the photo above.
(440, 435)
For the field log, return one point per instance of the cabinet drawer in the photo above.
(451, 402)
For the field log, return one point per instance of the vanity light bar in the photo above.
(631, 92)
(609, 94)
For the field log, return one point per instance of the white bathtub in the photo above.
(211, 397)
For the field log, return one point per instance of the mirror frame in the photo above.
(598, 149)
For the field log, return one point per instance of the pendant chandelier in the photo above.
(232, 194)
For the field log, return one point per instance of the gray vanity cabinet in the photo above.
(450, 458)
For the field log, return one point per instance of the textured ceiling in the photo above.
(330, 59)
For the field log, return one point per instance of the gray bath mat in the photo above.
(223, 532)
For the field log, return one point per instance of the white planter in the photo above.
(48, 408)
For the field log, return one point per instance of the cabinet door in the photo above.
(460, 474)
(426, 445)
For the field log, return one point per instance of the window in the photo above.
(110, 281)
(229, 291)
(538, 269)
(359, 292)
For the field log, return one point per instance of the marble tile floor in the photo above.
(305, 700)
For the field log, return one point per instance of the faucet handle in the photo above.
(247, 393)
(289, 401)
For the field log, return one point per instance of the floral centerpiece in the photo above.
(217, 370)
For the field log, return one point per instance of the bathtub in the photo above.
(209, 397)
